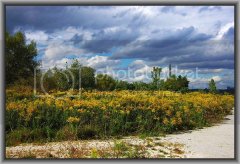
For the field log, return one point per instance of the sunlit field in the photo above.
(132, 82)
(73, 115)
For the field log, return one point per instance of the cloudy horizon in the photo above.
(198, 41)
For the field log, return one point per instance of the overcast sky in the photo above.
(127, 41)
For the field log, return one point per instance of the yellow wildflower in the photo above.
(165, 121)
(73, 120)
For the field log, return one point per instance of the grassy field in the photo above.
(70, 115)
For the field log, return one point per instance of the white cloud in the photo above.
(145, 69)
(65, 34)
(202, 82)
(207, 71)
(205, 79)
(38, 36)
(58, 50)
(101, 61)
(223, 30)
(216, 78)
(137, 78)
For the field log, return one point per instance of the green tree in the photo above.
(212, 86)
(182, 83)
(105, 82)
(121, 85)
(87, 77)
(20, 58)
(156, 72)
(175, 83)
(81, 76)
(140, 85)
(170, 83)
(49, 81)
(131, 86)
(61, 79)
(75, 76)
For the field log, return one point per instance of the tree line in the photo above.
(21, 63)
(77, 76)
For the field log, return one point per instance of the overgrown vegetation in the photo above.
(94, 114)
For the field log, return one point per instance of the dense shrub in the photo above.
(103, 114)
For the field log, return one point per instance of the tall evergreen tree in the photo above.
(20, 57)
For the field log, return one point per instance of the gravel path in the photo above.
(212, 142)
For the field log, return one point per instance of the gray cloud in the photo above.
(172, 9)
(209, 8)
(106, 40)
(229, 35)
(49, 18)
(185, 47)
(158, 35)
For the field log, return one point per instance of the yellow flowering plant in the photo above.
(117, 112)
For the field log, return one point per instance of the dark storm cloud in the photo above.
(77, 39)
(185, 47)
(158, 48)
(49, 18)
(106, 40)
(36, 17)
(145, 36)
